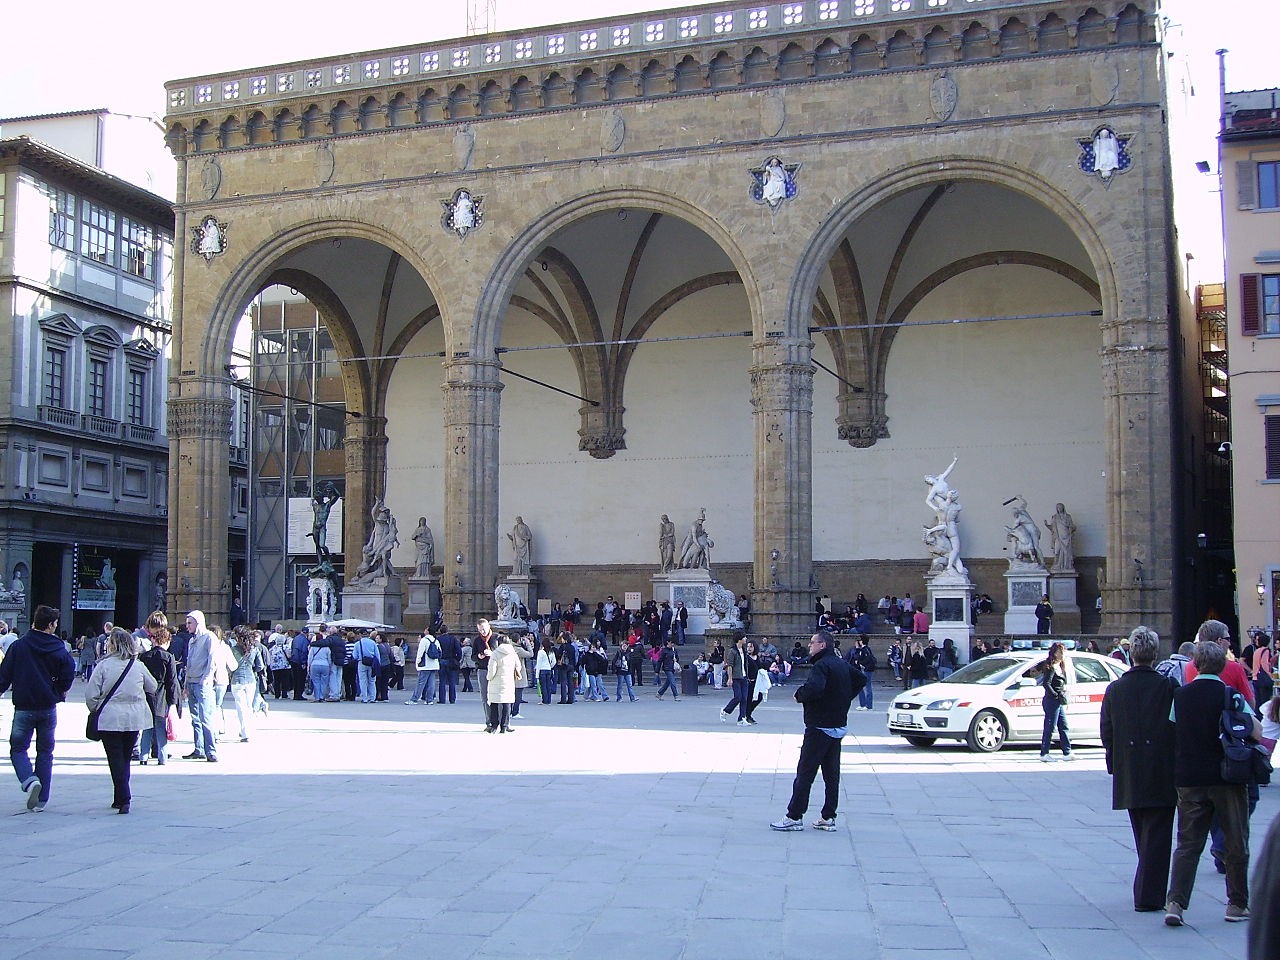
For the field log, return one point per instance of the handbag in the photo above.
(91, 725)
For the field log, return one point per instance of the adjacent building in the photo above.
(1250, 163)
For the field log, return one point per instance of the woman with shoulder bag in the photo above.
(161, 665)
(118, 694)
(1051, 673)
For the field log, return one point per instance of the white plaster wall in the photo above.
(1019, 401)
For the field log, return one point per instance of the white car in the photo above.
(988, 703)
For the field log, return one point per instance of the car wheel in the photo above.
(922, 741)
(987, 733)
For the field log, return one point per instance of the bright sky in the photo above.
(90, 54)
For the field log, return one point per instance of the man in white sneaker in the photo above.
(826, 696)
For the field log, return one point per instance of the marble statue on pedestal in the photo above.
(723, 606)
(1062, 530)
(375, 556)
(521, 538)
(1024, 535)
(426, 546)
(944, 502)
(695, 553)
(666, 544)
(507, 600)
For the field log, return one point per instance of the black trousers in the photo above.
(1153, 839)
(299, 680)
(350, 685)
(448, 682)
(118, 746)
(817, 752)
(566, 680)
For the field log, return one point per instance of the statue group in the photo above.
(375, 556)
(943, 537)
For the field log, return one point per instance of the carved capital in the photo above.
(602, 433)
(199, 418)
(782, 387)
(862, 420)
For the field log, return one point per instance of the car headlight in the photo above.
(942, 704)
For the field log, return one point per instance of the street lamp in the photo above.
(1262, 591)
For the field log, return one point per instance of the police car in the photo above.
(989, 703)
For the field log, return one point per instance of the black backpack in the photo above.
(1243, 761)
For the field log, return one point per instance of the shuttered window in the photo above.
(1250, 304)
(1273, 447)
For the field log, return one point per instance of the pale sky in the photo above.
(84, 53)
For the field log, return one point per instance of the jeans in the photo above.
(219, 694)
(944, 672)
(118, 746)
(565, 679)
(320, 671)
(242, 694)
(368, 683)
(624, 680)
(200, 702)
(1055, 715)
(337, 678)
(741, 696)
(597, 688)
(42, 724)
(670, 682)
(425, 691)
(448, 683)
(546, 682)
(866, 695)
(918, 682)
(817, 752)
(154, 737)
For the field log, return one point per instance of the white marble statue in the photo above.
(507, 600)
(724, 608)
(666, 544)
(945, 504)
(695, 552)
(1062, 530)
(375, 562)
(521, 538)
(426, 546)
(1106, 153)
(1024, 534)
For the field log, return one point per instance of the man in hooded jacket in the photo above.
(201, 667)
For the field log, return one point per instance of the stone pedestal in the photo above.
(1066, 609)
(950, 617)
(15, 615)
(424, 595)
(379, 601)
(526, 587)
(322, 601)
(693, 587)
(1025, 584)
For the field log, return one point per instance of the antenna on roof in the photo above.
(482, 17)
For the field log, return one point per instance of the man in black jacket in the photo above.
(450, 659)
(826, 696)
(40, 670)
(1139, 736)
(1202, 793)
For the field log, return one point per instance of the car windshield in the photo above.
(986, 670)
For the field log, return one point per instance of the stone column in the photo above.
(199, 427)
(365, 452)
(782, 410)
(471, 410)
(1139, 573)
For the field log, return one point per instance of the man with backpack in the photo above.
(427, 663)
(864, 658)
(1174, 666)
(567, 669)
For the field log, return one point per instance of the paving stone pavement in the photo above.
(598, 829)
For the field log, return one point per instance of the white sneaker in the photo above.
(822, 823)
(33, 793)
(786, 823)
(1068, 756)
(1046, 758)
(742, 722)
(724, 717)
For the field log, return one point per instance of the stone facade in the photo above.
(866, 113)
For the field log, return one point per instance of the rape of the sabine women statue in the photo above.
(375, 556)
(944, 502)
(695, 552)
(1024, 535)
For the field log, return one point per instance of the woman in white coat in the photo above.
(504, 672)
(126, 712)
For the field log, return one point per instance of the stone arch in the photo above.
(177, 139)
(723, 70)
(399, 111)
(1014, 38)
(461, 104)
(509, 266)
(286, 126)
(227, 131)
(370, 114)
(975, 43)
(431, 106)
(654, 80)
(1092, 30)
(900, 51)
(588, 87)
(864, 56)
(492, 99)
(556, 91)
(793, 63)
(621, 83)
(1053, 35)
(688, 75)
(266, 259)
(1130, 25)
(314, 123)
(756, 68)
(937, 46)
(257, 129)
(342, 118)
(830, 59)
(202, 136)
(524, 95)
(825, 241)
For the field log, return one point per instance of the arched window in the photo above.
(975, 43)
(901, 52)
(688, 75)
(756, 68)
(793, 63)
(829, 59)
(865, 56)
(1091, 30)
(1053, 34)
(621, 84)
(723, 71)
(937, 46)
(524, 95)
